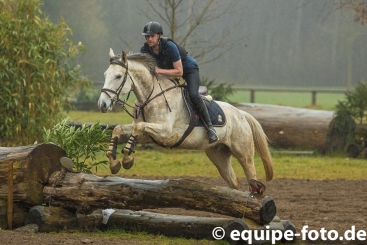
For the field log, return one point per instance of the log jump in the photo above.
(156, 223)
(86, 192)
(44, 192)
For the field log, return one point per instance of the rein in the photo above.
(139, 108)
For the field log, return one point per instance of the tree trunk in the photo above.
(32, 167)
(51, 219)
(86, 192)
(289, 127)
(20, 214)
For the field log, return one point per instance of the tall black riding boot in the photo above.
(204, 115)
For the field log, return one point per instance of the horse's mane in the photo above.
(145, 59)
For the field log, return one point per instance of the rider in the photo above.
(174, 61)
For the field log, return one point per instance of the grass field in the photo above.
(164, 163)
(324, 101)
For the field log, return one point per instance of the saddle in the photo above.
(216, 113)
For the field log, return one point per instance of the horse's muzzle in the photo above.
(102, 106)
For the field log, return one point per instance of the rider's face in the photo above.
(152, 40)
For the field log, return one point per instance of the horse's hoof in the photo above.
(115, 166)
(256, 186)
(128, 162)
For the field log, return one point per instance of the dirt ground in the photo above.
(330, 204)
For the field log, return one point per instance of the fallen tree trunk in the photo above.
(51, 219)
(19, 215)
(32, 167)
(86, 192)
(289, 127)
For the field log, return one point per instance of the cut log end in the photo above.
(288, 225)
(238, 225)
(268, 210)
(33, 165)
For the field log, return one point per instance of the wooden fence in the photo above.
(253, 91)
(313, 92)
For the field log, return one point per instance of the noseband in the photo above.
(118, 90)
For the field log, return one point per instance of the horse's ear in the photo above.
(123, 57)
(111, 53)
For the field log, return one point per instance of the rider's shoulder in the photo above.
(167, 41)
(170, 45)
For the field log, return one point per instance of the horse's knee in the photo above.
(139, 128)
(122, 132)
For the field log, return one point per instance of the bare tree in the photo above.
(199, 26)
(359, 7)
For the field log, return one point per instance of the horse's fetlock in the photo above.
(129, 150)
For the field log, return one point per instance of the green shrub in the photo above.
(87, 96)
(79, 144)
(355, 103)
(35, 72)
(220, 91)
(349, 111)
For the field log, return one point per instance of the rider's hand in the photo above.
(156, 70)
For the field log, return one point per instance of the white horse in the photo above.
(160, 115)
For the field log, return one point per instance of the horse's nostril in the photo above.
(102, 106)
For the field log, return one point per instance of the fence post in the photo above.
(10, 196)
(252, 95)
(314, 97)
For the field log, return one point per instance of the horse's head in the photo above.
(117, 81)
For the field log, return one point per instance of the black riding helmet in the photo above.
(151, 28)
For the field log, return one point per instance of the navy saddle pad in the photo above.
(216, 114)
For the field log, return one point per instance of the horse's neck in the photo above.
(147, 86)
(161, 104)
(143, 90)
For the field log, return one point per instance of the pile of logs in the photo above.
(36, 189)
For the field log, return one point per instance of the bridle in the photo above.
(116, 99)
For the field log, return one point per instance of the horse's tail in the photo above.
(261, 145)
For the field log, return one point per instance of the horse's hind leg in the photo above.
(220, 155)
(246, 158)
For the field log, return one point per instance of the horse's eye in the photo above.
(118, 76)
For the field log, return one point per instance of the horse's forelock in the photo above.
(115, 58)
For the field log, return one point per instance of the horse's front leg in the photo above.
(128, 160)
(120, 134)
(159, 132)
